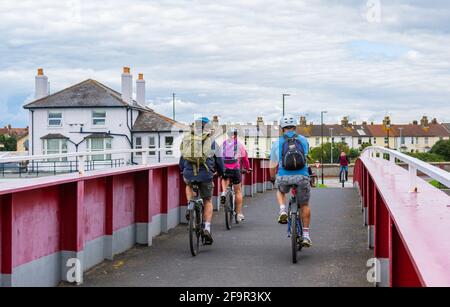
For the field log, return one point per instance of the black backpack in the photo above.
(293, 156)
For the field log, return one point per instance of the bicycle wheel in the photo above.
(194, 232)
(294, 237)
(229, 211)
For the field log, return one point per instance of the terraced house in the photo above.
(90, 116)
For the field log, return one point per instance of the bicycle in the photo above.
(343, 176)
(196, 221)
(295, 226)
(230, 205)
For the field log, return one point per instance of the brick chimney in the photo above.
(424, 122)
(260, 121)
(303, 121)
(345, 121)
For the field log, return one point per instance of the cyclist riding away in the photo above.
(289, 154)
(199, 163)
(344, 163)
(233, 154)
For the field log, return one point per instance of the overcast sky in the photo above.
(359, 58)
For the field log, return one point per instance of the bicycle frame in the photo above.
(294, 208)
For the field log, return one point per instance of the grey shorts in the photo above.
(284, 184)
(205, 189)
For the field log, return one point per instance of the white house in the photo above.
(90, 116)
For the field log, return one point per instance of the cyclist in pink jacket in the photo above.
(234, 154)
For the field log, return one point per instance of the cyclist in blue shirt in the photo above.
(284, 178)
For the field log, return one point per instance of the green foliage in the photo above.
(364, 146)
(427, 157)
(9, 143)
(442, 148)
(437, 184)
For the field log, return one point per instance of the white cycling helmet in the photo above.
(288, 121)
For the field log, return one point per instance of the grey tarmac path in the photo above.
(253, 254)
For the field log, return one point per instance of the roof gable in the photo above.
(87, 94)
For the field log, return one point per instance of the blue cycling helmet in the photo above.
(205, 120)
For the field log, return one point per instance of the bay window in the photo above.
(94, 144)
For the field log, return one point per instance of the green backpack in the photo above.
(196, 149)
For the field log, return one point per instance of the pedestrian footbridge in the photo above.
(124, 227)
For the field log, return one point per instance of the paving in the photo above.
(253, 254)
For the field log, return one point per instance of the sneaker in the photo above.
(240, 217)
(207, 237)
(307, 242)
(283, 218)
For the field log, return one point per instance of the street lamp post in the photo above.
(388, 128)
(332, 143)
(321, 152)
(401, 138)
(173, 105)
(284, 103)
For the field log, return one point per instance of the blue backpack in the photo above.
(292, 155)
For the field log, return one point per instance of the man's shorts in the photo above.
(284, 184)
(205, 189)
(234, 175)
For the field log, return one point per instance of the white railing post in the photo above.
(81, 162)
(412, 177)
(145, 158)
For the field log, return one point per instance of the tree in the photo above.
(442, 148)
(426, 156)
(8, 143)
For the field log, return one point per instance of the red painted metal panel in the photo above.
(142, 196)
(94, 213)
(72, 221)
(183, 199)
(156, 186)
(173, 187)
(6, 234)
(403, 271)
(36, 224)
(382, 224)
(371, 201)
(123, 201)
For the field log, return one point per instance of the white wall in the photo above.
(116, 123)
(161, 156)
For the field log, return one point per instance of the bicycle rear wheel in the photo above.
(229, 211)
(294, 237)
(343, 178)
(194, 232)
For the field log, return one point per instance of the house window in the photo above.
(386, 141)
(98, 118)
(138, 145)
(402, 140)
(417, 140)
(99, 144)
(343, 140)
(360, 141)
(152, 146)
(55, 119)
(374, 141)
(168, 142)
(426, 140)
(317, 141)
(412, 141)
(54, 147)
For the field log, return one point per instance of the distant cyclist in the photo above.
(344, 162)
(199, 163)
(233, 154)
(289, 154)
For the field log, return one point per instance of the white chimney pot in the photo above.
(41, 85)
(140, 90)
(127, 85)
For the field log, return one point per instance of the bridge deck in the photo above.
(256, 253)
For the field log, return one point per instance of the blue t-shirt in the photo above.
(277, 150)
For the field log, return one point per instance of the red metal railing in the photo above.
(408, 227)
(92, 217)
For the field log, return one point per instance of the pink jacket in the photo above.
(228, 151)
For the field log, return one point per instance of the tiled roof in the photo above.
(411, 130)
(151, 121)
(14, 132)
(89, 93)
(54, 136)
